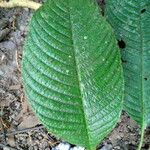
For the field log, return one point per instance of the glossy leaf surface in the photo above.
(72, 71)
(131, 21)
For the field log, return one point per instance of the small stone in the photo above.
(6, 148)
(117, 147)
(62, 146)
(77, 148)
(22, 28)
(107, 147)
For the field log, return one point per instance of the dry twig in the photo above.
(3, 128)
(23, 130)
(20, 3)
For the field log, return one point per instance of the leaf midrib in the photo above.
(142, 69)
(78, 75)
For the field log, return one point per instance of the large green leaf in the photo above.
(131, 21)
(72, 71)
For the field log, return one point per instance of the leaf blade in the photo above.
(66, 73)
(130, 20)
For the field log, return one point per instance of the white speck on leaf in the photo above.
(85, 37)
(67, 71)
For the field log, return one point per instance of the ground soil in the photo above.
(19, 128)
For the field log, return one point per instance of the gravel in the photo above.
(67, 146)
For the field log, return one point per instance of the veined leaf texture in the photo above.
(72, 71)
(131, 22)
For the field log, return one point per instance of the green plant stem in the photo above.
(142, 138)
(20, 3)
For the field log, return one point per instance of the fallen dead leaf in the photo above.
(28, 122)
(11, 141)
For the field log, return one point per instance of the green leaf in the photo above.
(72, 71)
(131, 21)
